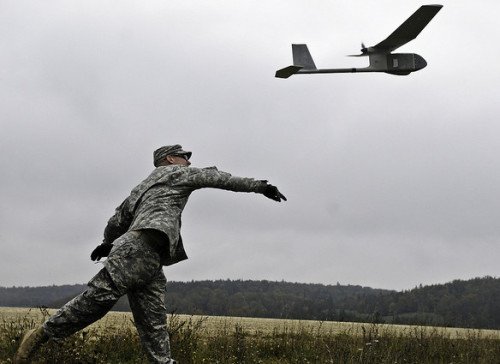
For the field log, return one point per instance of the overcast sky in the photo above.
(391, 181)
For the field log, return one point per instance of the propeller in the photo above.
(364, 51)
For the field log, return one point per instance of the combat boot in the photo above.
(31, 341)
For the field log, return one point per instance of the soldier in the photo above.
(142, 236)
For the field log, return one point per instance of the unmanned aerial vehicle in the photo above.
(380, 56)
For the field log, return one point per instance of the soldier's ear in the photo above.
(170, 159)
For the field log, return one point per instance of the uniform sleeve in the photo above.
(119, 223)
(213, 178)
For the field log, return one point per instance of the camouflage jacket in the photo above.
(157, 203)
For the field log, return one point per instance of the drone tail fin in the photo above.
(302, 57)
(287, 71)
(301, 60)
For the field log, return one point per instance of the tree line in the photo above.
(472, 303)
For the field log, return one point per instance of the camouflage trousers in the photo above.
(133, 268)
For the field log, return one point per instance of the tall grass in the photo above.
(231, 343)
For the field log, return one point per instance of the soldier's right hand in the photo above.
(102, 250)
(273, 193)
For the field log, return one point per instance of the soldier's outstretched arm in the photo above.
(213, 178)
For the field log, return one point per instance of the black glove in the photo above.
(273, 193)
(101, 251)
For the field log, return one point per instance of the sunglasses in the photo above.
(185, 157)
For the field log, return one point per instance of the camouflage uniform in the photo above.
(145, 232)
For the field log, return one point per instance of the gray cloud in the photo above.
(384, 174)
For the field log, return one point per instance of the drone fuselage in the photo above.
(396, 63)
(400, 64)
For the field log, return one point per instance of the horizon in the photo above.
(420, 285)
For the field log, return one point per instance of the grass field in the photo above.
(197, 339)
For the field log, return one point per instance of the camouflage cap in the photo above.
(162, 152)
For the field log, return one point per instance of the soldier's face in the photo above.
(179, 159)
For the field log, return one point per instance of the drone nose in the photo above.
(419, 62)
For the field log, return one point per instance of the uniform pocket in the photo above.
(124, 245)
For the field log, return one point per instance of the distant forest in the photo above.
(473, 303)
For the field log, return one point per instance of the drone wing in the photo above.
(409, 29)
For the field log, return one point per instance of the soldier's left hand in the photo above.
(273, 193)
(101, 251)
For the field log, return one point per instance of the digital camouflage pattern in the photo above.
(158, 201)
(133, 268)
(145, 234)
